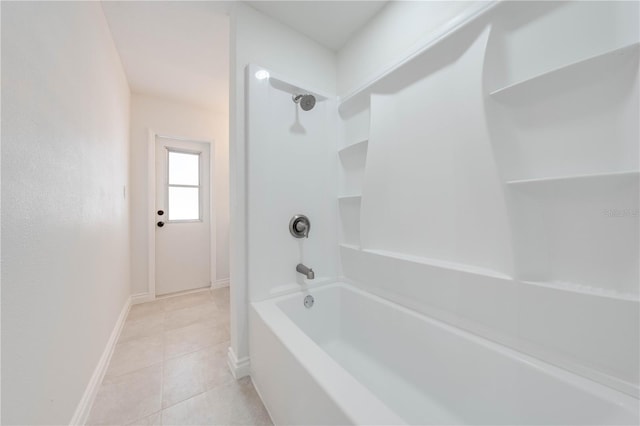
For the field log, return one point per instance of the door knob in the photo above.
(160, 212)
(160, 224)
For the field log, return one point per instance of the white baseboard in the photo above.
(84, 407)
(220, 283)
(239, 367)
(136, 299)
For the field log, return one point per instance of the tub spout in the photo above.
(305, 271)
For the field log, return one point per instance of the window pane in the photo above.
(184, 203)
(183, 168)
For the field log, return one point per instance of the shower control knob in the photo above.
(299, 226)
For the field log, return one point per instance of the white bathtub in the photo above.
(354, 358)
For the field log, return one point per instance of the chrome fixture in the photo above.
(299, 226)
(305, 271)
(306, 101)
(308, 301)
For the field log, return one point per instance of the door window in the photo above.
(183, 183)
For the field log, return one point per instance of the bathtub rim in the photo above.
(613, 396)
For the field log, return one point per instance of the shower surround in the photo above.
(474, 228)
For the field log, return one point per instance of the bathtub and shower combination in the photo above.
(355, 358)
(471, 270)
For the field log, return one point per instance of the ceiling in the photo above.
(177, 50)
(180, 49)
(331, 23)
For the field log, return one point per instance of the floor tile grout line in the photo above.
(215, 309)
(141, 337)
(216, 320)
(233, 380)
(150, 318)
(102, 384)
(165, 310)
(162, 367)
(164, 359)
(189, 325)
(134, 422)
(212, 317)
(206, 390)
(164, 330)
(137, 370)
(197, 350)
(133, 321)
(189, 307)
(193, 323)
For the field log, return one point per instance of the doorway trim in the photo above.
(151, 212)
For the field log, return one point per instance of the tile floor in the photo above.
(170, 368)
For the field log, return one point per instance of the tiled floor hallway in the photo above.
(169, 368)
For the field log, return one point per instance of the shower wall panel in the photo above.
(501, 180)
(432, 187)
(291, 170)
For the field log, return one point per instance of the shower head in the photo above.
(306, 101)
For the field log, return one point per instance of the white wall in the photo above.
(175, 118)
(258, 39)
(398, 30)
(65, 259)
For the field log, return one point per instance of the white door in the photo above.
(182, 216)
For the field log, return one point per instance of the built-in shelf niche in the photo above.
(349, 246)
(579, 232)
(439, 263)
(560, 179)
(356, 148)
(578, 119)
(566, 140)
(353, 160)
(474, 270)
(553, 80)
(353, 197)
(586, 290)
(355, 126)
(349, 207)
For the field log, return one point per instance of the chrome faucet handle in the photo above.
(302, 227)
(299, 226)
